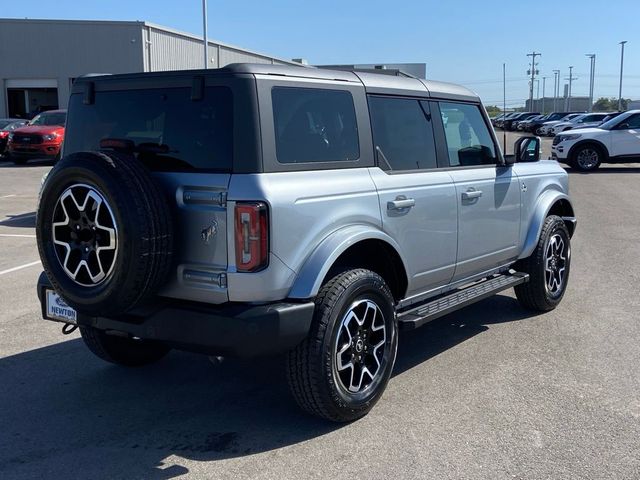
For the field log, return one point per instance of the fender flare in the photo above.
(309, 279)
(544, 204)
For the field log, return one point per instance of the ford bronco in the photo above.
(257, 209)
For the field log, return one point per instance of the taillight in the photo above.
(252, 236)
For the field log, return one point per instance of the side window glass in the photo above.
(468, 138)
(633, 121)
(314, 125)
(402, 134)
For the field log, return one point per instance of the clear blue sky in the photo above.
(462, 41)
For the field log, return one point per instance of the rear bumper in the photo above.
(237, 329)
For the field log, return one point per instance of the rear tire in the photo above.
(342, 368)
(120, 350)
(548, 268)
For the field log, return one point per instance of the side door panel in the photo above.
(626, 141)
(488, 224)
(417, 199)
(488, 195)
(426, 232)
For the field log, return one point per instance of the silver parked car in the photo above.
(257, 209)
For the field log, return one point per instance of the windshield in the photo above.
(47, 118)
(610, 124)
(4, 123)
(576, 118)
(13, 125)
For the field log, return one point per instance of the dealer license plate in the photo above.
(57, 309)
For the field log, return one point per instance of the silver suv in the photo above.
(258, 209)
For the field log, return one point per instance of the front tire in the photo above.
(587, 158)
(342, 368)
(548, 268)
(120, 350)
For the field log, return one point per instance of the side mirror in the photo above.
(527, 149)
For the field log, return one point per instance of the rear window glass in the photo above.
(164, 127)
(314, 125)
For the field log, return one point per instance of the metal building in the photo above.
(39, 59)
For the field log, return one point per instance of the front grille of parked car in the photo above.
(27, 139)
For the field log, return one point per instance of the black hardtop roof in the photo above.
(373, 82)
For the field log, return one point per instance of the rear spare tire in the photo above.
(104, 232)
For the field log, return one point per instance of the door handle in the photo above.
(400, 203)
(471, 194)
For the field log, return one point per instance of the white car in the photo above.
(617, 140)
(584, 120)
(546, 127)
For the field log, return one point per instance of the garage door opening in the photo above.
(28, 102)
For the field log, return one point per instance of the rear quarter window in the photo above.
(169, 131)
(314, 125)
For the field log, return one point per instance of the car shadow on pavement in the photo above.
(66, 414)
(22, 220)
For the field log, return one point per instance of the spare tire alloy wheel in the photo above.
(104, 232)
(85, 233)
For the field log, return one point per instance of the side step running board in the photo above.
(452, 301)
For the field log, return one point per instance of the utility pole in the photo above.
(571, 78)
(204, 33)
(592, 56)
(533, 73)
(544, 84)
(621, 67)
(556, 89)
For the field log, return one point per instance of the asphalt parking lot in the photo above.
(488, 392)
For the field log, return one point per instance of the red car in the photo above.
(40, 139)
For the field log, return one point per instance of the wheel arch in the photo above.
(588, 141)
(357, 246)
(552, 202)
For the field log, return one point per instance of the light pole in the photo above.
(592, 56)
(621, 67)
(544, 84)
(204, 33)
(556, 89)
(571, 79)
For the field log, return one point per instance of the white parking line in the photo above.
(8, 196)
(26, 265)
(20, 235)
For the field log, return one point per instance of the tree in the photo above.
(493, 110)
(604, 104)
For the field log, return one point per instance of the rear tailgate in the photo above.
(200, 242)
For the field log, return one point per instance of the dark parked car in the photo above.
(8, 125)
(552, 117)
(508, 123)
